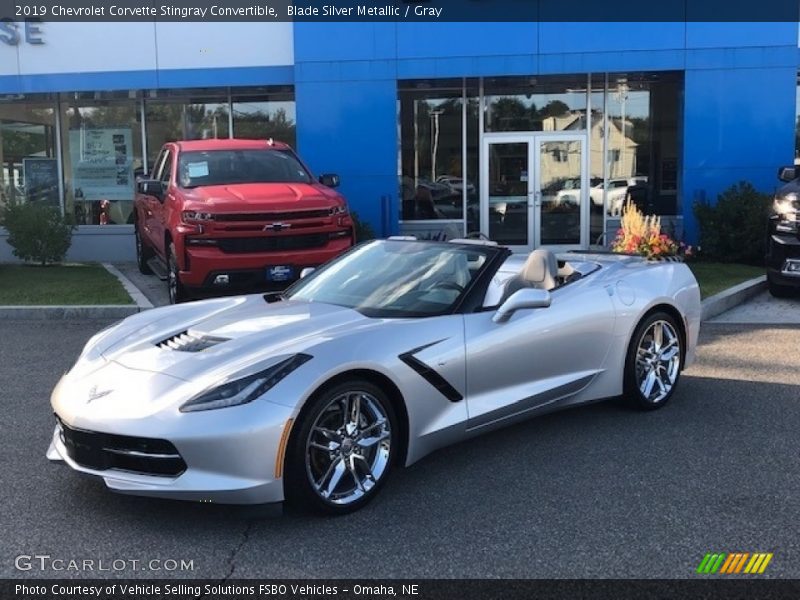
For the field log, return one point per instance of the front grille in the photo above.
(188, 342)
(104, 451)
(271, 243)
(274, 216)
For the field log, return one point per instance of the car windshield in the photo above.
(228, 167)
(396, 278)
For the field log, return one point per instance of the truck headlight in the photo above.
(785, 204)
(245, 389)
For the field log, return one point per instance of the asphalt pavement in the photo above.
(599, 491)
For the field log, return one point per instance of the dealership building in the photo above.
(532, 133)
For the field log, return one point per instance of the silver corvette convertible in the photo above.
(395, 349)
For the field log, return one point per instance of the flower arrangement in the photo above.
(639, 234)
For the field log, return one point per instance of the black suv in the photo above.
(783, 236)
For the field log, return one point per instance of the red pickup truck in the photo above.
(220, 216)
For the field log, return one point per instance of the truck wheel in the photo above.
(143, 253)
(177, 293)
(780, 291)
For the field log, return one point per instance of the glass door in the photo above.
(561, 214)
(507, 190)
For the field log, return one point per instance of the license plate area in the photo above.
(280, 273)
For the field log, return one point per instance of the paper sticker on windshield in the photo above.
(197, 169)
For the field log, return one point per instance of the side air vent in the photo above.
(189, 342)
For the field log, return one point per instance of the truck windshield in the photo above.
(228, 167)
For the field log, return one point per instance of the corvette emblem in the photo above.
(94, 394)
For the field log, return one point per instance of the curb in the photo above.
(109, 312)
(134, 292)
(727, 299)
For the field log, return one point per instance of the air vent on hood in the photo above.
(188, 342)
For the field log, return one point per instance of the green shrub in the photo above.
(364, 230)
(36, 232)
(734, 229)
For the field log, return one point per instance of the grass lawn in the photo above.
(715, 277)
(57, 284)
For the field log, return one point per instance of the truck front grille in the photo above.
(241, 245)
(274, 216)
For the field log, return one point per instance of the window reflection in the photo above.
(28, 167)
(432, 184)
(552, 103)
(101, 153)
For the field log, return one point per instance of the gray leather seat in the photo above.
(539, 271)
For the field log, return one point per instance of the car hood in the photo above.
(254, 196)
(217, 338)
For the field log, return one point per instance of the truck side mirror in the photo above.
(330, 180)
(151, 187)
(787, 173)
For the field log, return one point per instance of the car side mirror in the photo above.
(151, 187)
(787, 173)
(306, 272)
(330, 180)
(524, 298)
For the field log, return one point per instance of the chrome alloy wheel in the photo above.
(348, 448)
(658, 361)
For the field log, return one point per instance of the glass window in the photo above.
(263, 113)
(173, 115)
(431, 144)
(165, 170)
(397, 279)
(473, 155)
(229, 167)
(549, 103)
(643, 132)
(28, 164)
(102, 155)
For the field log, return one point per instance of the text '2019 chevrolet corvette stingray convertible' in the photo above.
(389, 352)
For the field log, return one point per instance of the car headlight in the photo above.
(245, 389)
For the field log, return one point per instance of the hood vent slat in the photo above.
(188, 342)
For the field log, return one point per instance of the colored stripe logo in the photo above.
(734, 563)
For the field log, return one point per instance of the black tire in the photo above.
(653, 366)
(143, 253)
(306, 464)
(177, 293)
(777, 290)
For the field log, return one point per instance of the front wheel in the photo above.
(342, 450)
(143, 253)
(654, 361)
(177, 293)
(777, 290)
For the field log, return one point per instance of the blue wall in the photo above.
(739, 101)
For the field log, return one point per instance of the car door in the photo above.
(161, 206)
(149, 202)
(538, 356)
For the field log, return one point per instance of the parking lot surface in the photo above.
(599, 491)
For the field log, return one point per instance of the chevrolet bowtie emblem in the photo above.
(94, 394)
(276, 226)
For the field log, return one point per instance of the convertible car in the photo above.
(393, 350)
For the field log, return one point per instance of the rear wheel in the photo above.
(177, 293)
(342, 450)
(143, 253)
(654, 361)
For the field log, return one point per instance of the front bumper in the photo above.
(783, 258)
(227, 456)
(248, 270)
